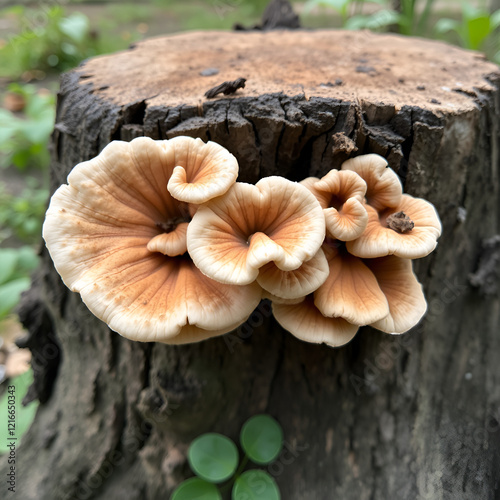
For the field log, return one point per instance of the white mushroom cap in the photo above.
(294, 284)
(306, 322)
(341, 195)
(384, 187)
(351, 290)
(171, 244)
(404, 293)
(231, 237)
(200, 171)
(379, 240)
(102, 232)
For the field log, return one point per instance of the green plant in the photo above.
(24, 139)
(17, 264)
(21, 216)
(475, 27)
(342, 7)
(214, 459)
(49, 39)
(409, 19)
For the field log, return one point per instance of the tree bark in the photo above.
(402, 417)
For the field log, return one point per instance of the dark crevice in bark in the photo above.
(41, 340)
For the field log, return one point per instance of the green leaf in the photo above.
(24, 415)
(196, 489)
(8, 263)
(10, 293)
(255, 485)
(75, 26)
(478, 29)
(262, 439)
(27, 259)
(213, 457)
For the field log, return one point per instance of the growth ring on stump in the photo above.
(379, 418)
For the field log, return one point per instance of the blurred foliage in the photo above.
(24, 139)
(379, 15)
(476, 28)
(21, 216)
(24, 136)
(49, 39)
(16, 266)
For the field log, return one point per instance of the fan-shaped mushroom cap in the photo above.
(306, 322)
(276, 220)
(172, 243)
(200, 171)
(351, 290)
(98, 229)
(294, 284)
(379, 240)
(341, 195)
(404, 293)
(384, 188)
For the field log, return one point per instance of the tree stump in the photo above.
(415, 416)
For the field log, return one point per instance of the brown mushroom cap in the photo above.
(98, 229)
(294, 284)
(306, 322)
(231, 237)
(200, 171)
(404, 293)
(351, 290)
(341, 195)
(378, 240)
(384, 188)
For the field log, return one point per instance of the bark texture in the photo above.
(405, 417)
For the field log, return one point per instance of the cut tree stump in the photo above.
(405, 417)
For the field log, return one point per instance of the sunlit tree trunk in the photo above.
(386, 417)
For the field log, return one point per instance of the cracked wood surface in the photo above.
(400, 417)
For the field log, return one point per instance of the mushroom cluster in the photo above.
(164, 245)
(373, 231)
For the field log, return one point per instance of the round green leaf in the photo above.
(255, 485)
(196, 489)
(262, 439)
(213, 457)
(10, 293)
(9, 258)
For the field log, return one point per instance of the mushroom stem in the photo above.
(400, 222)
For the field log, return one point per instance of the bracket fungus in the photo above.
(305, 321)
(118, 237)
(370, 279)
(383, 187)
(412, 232)
(201, 170)
(275, 221)
(164, 245)
(341, 195)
